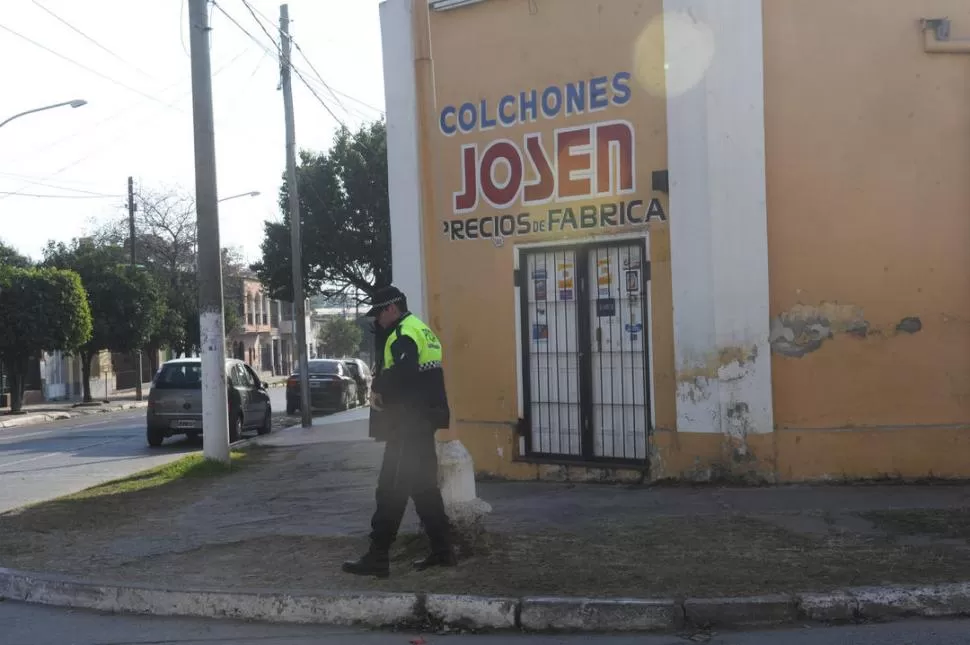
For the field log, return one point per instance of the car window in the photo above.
(238, 376)
(353, 369)
(253, 376)
(324, 367)
(247, 378)
(179, 376)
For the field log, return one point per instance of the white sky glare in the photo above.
(139, 122)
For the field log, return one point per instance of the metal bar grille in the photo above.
(552, 357)
(585, 352)
(616, 313)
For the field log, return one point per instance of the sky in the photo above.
(132, 66)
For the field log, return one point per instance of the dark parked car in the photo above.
(362, 376)
(332, 387)
(175, 401)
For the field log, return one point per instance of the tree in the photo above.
(340, 337)
(345, 219)
(40, 310)
(166, 243)
(10, 257)
(126, 303)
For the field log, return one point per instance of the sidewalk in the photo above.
(302, 505)
(60, 410)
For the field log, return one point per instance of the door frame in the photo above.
(522, 336)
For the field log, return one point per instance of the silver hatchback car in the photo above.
(175, 401)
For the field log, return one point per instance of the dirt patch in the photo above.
(947, 524)
(295, 512)
(669, 556)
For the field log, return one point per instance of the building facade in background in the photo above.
(688, 239)
(265, 337)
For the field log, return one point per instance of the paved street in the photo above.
(34, 625)
(43, 461)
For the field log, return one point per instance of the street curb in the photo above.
(529, 614)
(46, 417)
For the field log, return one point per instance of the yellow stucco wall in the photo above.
(868, 179)
(486, 52)
(868, 187)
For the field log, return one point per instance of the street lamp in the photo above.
(254, 193)
(76, 103)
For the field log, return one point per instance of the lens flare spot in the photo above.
(673, 53)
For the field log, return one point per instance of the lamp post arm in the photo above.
(75, 103)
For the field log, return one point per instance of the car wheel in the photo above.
(155, 437)
(235, 428)
(267, 426)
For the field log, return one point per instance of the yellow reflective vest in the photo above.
(429, 347)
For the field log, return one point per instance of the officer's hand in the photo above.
(376, 401)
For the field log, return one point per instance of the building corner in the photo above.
(719, 243)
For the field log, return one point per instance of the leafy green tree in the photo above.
(40, 310)
(10, 257)
(345, 219)
(340, 337)
(166, 244)
(126, 302)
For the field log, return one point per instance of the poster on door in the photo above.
(565, 280)
(633, 282)
(604, 279)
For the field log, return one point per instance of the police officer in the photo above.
(408, 405)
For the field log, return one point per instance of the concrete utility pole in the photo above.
(299, 301)
(131, 237)
(215, 418)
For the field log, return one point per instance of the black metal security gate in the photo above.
(584, 352)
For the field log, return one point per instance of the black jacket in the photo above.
(414, 400)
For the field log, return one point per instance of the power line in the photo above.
(182, 28)
(252, 12)
(271, 23)
(318, 97)
(357, 100)
(20, 194)
(83, 66)
(123, 133)
(35, 182)
(115, 115)
(276, 46)
(243, 29)
(319, 76)
(352, 98)
(91, 40)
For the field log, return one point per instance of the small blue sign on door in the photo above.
(634, 328)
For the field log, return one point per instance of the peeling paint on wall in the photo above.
(910, 325)
(804, 328)
(713, 367)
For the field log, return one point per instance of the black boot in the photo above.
(437, 559)
(374, 563)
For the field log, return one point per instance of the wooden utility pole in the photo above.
(296, 247)
(131, 238)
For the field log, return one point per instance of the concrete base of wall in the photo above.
(783, 456)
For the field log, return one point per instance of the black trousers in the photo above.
(410, 471)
